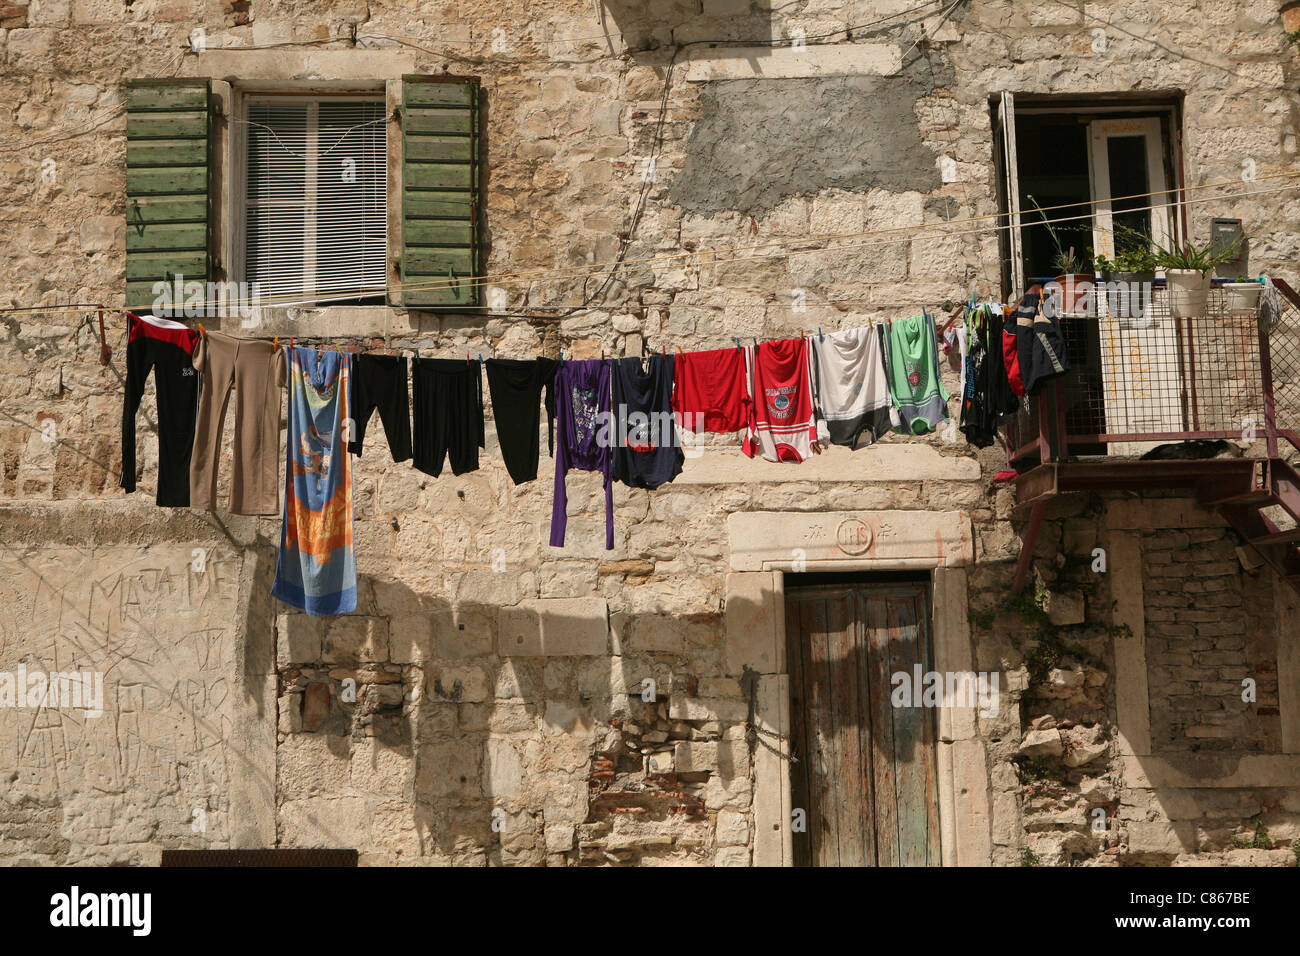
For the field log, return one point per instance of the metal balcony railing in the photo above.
(1140, 377)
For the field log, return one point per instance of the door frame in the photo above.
(922, 590)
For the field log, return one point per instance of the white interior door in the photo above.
(1141, 382)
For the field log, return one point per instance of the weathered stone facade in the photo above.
(490, 701)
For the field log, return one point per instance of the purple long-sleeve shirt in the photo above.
(582, 437)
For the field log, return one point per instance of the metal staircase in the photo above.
(1274, 484)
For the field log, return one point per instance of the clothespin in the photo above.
(480, 358)
(737, 343)
(276, 343)
(202, 330)
(755, 343)
(680, 352)
(801, 335)
(820, 337)
(467, 357)
(291, 343)
(663, 349)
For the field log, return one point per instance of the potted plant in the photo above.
(1076, 284)
(1130, 276)
(1243, 294)
(1187, 274)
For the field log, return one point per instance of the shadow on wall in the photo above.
(545, 732)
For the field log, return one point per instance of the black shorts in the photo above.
(448, 414)
(379, 382)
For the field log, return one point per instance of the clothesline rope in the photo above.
(715, 257)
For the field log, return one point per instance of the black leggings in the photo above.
(176, 384)
(448, 415)
(379, 382)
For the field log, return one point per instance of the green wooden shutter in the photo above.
(168, 185)
(441, 183)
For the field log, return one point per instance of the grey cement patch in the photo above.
(760, 141)
(941, 207)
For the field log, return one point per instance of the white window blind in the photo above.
(316, 226)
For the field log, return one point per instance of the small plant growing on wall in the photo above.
(1260, 840)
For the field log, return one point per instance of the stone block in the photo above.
(1065, 608)
(694, 756)
(503, 773)
(752, 625)
(554, 627)
(355, 639)
(458, 683)
(732, 829)
(819, 540)
(1160, 837)
(681, 707)
(462, 632)
(1042, 743)
(731, 856)
(297, 639)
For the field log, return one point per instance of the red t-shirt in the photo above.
(709, 391)
(783, 425)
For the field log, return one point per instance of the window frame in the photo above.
(1005, 107)
(233, 203)
(244, 200)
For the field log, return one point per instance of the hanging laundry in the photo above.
(1002, 399)
(448, 415)
(976, 420)
(646, 452)
(582, 418)
(379, 382)
(1011, 357)
(912, 361)
(852, 392)
(165, 348)
(317, 569)
(255, 369)
(1039, 344)
(782, 422)
(710, 393)
(516, 388)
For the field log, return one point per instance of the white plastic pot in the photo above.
(1189, 291)
(1243, 296)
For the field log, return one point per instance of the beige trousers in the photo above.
(255, 370)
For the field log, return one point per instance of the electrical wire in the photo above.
(713, 257)
(914, 232)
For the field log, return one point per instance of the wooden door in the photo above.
(866, 770)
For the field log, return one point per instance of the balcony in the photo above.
(1135, 384)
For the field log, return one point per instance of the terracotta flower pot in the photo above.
(1076, 292)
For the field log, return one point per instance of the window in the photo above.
(1080, 155)
(316, 215)
(294, 196)
(1107, 167)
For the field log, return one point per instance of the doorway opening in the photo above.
(866, 770)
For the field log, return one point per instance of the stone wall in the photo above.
(487, 701)
(1209, 629)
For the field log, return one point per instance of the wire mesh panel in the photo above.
(1284, 356)
(1140, 375)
